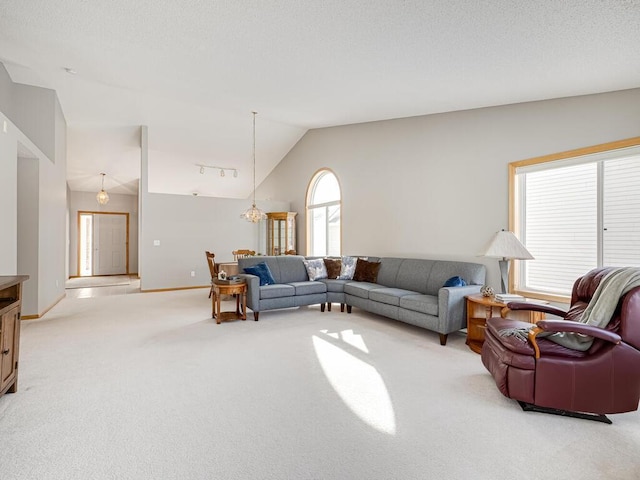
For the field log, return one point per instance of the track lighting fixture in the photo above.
(223, 170)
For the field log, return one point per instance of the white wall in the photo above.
(436, 186)
(43, 203)
(186, 226)
(34, 111)
(8, 199)
(28, 229)
(52, 215)
(86, 201)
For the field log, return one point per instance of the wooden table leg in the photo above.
(244, 305)
(219, 311)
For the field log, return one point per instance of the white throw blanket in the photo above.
(598, 313)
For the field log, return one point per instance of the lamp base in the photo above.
(504, 274)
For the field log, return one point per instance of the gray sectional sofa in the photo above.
(408, 290)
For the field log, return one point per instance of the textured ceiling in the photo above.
(194, 70)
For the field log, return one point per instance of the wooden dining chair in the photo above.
(213, 269)
(242, 254)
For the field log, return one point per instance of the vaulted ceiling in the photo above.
(194, 70)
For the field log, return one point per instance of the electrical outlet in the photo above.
(156, 243)
(193, 273)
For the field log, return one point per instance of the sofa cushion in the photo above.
(261, 270)
(308, 288)
(333, 266)
(473, 273)
(366, 271)
(276, 291)
(347, 268)
(335, 285)
(315, 269)
(360, 289)
(420, 303)
(291, 269)
(390, 296)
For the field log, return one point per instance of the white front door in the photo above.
(109, 244)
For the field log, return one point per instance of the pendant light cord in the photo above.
(254, 158)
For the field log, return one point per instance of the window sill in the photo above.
(543, 296)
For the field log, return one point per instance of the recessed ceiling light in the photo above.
(70, 71)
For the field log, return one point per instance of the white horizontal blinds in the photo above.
(560, 219)
(621, 212)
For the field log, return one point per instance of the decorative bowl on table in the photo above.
(486, 291)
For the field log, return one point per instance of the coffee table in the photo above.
(229, 287)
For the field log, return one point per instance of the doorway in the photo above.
(103, 243)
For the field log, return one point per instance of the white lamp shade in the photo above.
(506, 245)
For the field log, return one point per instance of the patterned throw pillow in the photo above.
(315, 269)
(366, 271)
(347, 268)
(261, 270)
(333, 267)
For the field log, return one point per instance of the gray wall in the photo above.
(436, 186)
(86, 201)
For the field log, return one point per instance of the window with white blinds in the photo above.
(576, 214)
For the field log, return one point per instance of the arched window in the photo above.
(323, 215)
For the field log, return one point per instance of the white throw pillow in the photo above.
(348, 268)
(316, 269)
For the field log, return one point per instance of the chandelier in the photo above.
(102, 196)
(254, 214)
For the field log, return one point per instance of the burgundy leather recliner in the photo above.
(545, 376)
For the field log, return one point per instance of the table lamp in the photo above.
(506, 246)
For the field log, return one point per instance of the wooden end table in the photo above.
(226, 287)
(480, 308)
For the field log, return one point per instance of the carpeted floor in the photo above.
(98, 281)
(149, 387)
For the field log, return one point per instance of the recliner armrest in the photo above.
(577, 327)
(536, 307)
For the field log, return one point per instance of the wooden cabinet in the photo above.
(10, 303)
(480, 308)
(281, 232)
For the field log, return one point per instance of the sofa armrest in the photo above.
(451, 307)
(253, 291)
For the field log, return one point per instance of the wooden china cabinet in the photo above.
(281, 232)
(10, 304)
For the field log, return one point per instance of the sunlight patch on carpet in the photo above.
(356, 382)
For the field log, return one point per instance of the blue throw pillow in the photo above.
(455, 282)
(261, 270)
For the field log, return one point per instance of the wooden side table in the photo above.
(480, 308)
(225, 287)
